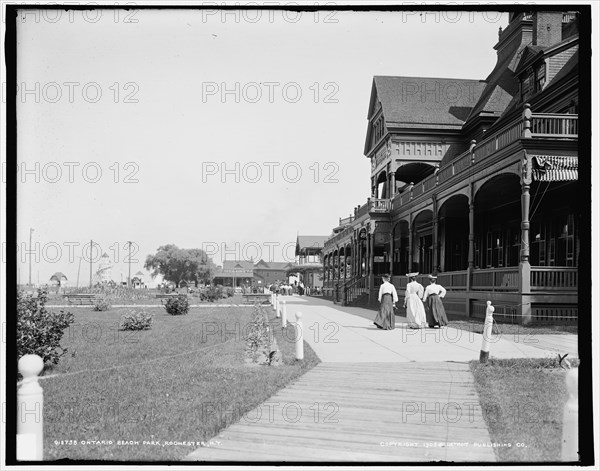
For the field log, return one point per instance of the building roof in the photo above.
(235, 268)
(317, 242)
(262, 265)
(426, 100)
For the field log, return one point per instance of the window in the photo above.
(527, 85)
(540, 77)
(378, 130)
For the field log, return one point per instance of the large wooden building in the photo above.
(476, 181)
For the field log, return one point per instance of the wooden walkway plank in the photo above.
(345, 412)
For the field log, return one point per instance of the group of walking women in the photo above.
(424, 306)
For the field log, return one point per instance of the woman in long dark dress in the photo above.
(388, 297)
(436, 314)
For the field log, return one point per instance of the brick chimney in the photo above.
(547, 28)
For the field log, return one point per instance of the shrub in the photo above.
(261, 346)
(136, 320)
(229, 292)
(39, 331)
(102, 304)
(212, 293)
(177, 305)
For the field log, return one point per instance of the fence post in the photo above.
(570, 435)
(278, 308)
(487, 333)
(274, 301)
(299, 337)
(30, 406)
(283, 314)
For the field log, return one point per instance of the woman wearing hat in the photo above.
(415, 311)
(388, 297)
(436, 314)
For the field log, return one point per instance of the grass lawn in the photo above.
(476, 326)
(523, 402)
(147, 299)
(184, 380)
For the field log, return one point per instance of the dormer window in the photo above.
(527, 85)
(540, 77)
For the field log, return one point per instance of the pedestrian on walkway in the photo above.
(388, 297)
(415, 310)
(436, 314)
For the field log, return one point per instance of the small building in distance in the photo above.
(234, 273)
(267, 273)
(59, 281)
(309, 260)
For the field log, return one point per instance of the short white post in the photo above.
(570, 435)
(274, 301)
(487, 333)
(299, 337)
(278, 308)
(30, 406)
(283, 314)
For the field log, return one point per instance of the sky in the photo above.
(230, 132)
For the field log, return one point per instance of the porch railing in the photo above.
(355, 288)
(377, 205)
(495, 279)
(553, 279)
(453, 280)
(551, 125)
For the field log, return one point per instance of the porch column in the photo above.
(410, 245)
(391, 253)
(471, 254)
(435, 221)
(525, 266)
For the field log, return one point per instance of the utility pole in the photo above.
(78, 271)
(30, 253)
(91, 246)
(129, 262)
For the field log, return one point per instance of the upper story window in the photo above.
(533, 81)
(540, 77)
(378, 130)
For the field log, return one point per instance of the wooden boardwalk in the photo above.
(376, 412)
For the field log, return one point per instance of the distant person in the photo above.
(388, 297)
(436, 314)
(415, 310)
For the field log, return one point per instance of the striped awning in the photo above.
(554, 168)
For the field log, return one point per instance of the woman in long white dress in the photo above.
(415, 310)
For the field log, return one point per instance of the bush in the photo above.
(39, 331)
(229, 292)
(102, 304)
(261, 346)
(212, 293)
(177, 305)
(136, 320)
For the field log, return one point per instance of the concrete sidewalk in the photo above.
(377, 396)
(338, 336)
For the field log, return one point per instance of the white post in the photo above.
(272, 300)
(487, 333)
(275, 301)
(299, 337)
(30, 406)
(278, 308)
(283, 314)
(570, 435)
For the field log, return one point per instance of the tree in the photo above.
(177, 265)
